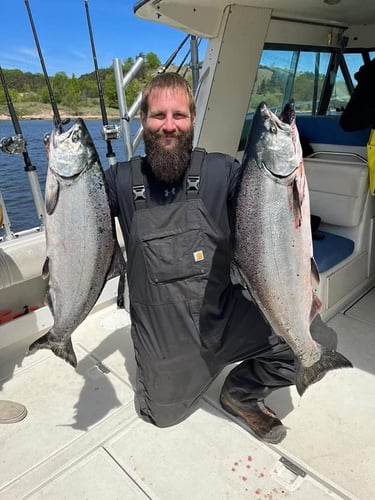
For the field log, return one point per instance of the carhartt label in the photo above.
(198, 256)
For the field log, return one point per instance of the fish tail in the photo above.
(329, 360)
(62, 350)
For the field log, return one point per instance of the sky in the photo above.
(62, 31)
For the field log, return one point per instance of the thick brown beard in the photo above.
(168, 165)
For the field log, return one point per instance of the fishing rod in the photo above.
(173, 56)
(109, 132)
(56, 115)
(17, 144)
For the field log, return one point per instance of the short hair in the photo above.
(167, 80)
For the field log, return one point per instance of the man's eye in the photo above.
(179, 116)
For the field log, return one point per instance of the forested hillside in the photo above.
(29, 92)
(79, 96)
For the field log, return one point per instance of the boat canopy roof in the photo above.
(203, 17)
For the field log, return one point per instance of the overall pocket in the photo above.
(177, 255)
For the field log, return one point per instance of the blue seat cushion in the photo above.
(330, 249)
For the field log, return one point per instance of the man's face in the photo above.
(168, 133)
(168, 115)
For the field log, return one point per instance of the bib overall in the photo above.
(188, 320)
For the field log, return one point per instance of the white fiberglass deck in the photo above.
(82, 438)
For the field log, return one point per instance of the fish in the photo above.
(82, 251)
(273, 248)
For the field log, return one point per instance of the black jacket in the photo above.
(360, 111)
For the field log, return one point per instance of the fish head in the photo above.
(72, 151)
(272, 143)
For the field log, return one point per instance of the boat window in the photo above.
(354, 62)
(287, 74)
(340, 95)
(319, 81)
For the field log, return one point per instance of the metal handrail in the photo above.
(127, 115)
(338, 153)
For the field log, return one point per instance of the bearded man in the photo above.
(188, 320)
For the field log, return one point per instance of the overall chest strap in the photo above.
(192, 179)
(138, 186)
(194, 173)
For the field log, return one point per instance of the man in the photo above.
(188, 319)
(359, 113)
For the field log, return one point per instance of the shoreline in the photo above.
(42, 116)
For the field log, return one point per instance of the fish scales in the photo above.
(80, 236)
(273, 242)
(80, 245)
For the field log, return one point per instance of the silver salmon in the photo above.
(273, 242)
(82, 250)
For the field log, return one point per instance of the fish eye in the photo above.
(75, 136)
(273, 129)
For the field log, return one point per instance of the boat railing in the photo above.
(338, 154)
(121, 84)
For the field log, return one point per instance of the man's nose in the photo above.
(169, 123)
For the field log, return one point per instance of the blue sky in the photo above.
(63, 35)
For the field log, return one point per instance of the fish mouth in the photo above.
(277, 177)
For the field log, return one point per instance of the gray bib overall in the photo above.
(188, 319)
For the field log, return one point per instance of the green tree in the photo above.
(152, 61)
(73, 93)
(110, 93)
(60, 83)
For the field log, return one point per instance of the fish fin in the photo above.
(118, 263)
(52, 195)
(236, 275)
(62, 350)
(315, 270)
(297, 203)
(45, 269)
(315, 306)
(49, 302)
(329, 360)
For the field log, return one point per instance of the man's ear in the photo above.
(143, 118)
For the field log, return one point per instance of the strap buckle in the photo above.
(193, 182)
(139, 192)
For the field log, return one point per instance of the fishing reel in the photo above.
(110, 132)
(13, 145)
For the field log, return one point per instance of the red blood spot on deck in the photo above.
(250, 458)
(261, 474)
(258, 491)
(244, 478)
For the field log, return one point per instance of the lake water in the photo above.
(14, 182)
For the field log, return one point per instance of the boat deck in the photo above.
(82, 437)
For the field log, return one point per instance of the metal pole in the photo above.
(124, 123)
(194, 62)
